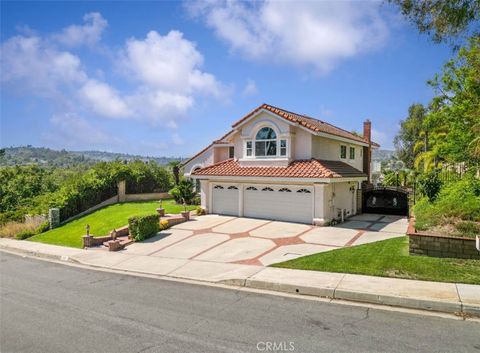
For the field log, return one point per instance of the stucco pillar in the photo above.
(320, 211)
(121, 186)
(240, 200)
(205, 195)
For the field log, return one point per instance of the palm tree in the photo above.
(175, 167)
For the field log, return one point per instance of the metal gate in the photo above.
(385, 200)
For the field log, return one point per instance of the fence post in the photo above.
(54, 217)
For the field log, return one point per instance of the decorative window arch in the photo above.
(267, 189)
(252, 188)
(266, 144)
(232, 187)
(220, 187)
(304, 191)
(285, 190)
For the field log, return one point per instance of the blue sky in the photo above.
(166, 78)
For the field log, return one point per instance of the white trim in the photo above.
(277, 179)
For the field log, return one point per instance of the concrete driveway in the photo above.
(225, 239)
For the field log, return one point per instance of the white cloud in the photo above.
(250, 88)
(31, 64)
(70, 130)
(104, 100)
(89, 33)
(316, 34)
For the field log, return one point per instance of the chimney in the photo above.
(367, 155)
(367, 130)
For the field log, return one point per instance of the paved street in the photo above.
(248, 241)
(48, 307)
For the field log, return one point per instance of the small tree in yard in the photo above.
(430, 185)
(184, 191)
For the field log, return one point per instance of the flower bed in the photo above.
(429, 244)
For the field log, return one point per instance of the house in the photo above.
(280, 165)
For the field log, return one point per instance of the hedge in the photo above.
(143, 227)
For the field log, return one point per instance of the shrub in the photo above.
(11, 229)
(163, 224)
(430, 185)
(144, 227)
(468, 228)
(200, 211)
(24, 234)
(43, 227)
(184, 191)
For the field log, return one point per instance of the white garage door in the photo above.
(225, 199)
(284, 203)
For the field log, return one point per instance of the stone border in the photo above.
(436, 245)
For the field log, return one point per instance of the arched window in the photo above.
(266, 142)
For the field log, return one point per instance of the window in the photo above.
(218, 187)
(304, 191)
(231, 152)
(285, 190)
(232, 188)
(266, 143)
(343, 151)
(267, 189)
(283, 147)
(352, 152)
(252, 188)
(249, 148)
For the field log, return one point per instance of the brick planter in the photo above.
(435, 245)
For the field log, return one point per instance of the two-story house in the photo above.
(279, 165)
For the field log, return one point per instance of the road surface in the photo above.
(48, 307)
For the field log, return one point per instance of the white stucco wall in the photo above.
(202, 160)
(343, 198)
(328, 149)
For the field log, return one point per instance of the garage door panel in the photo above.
(225, 199)
(279, 205)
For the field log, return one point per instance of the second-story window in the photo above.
(352, 152)
(231, 152)
(249, 148)
(266, 143)
(283, 147)
(343, 152)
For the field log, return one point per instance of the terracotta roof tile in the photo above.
(306, 121)
(312, 168)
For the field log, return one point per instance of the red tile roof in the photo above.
(312, 168)
(306, 121)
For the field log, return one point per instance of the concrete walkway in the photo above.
(435, 296)
(248, 241)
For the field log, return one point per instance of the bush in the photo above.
(200, 211)
(468, 228)
(163, 224)
(184, 191)
(24, 234)
(430, 185)
(144, 227)
(11, 229)
(43, 227)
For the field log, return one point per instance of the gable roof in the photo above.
(310, 123)
(216, 142)
(312, 168)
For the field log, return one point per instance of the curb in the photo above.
(457, 308)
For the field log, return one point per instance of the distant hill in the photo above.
(46, 156)
(382, 155)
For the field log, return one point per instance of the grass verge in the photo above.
(389, 258)
(103, 221)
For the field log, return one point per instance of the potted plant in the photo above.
(161, 210)
(185, 213)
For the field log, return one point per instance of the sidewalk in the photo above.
(434, 296)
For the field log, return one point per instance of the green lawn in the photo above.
(103, 221)
(389, 258)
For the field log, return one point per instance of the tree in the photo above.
(410, 135)
(184, 191)
(2, 152)
(444, 20)
(175, 166)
